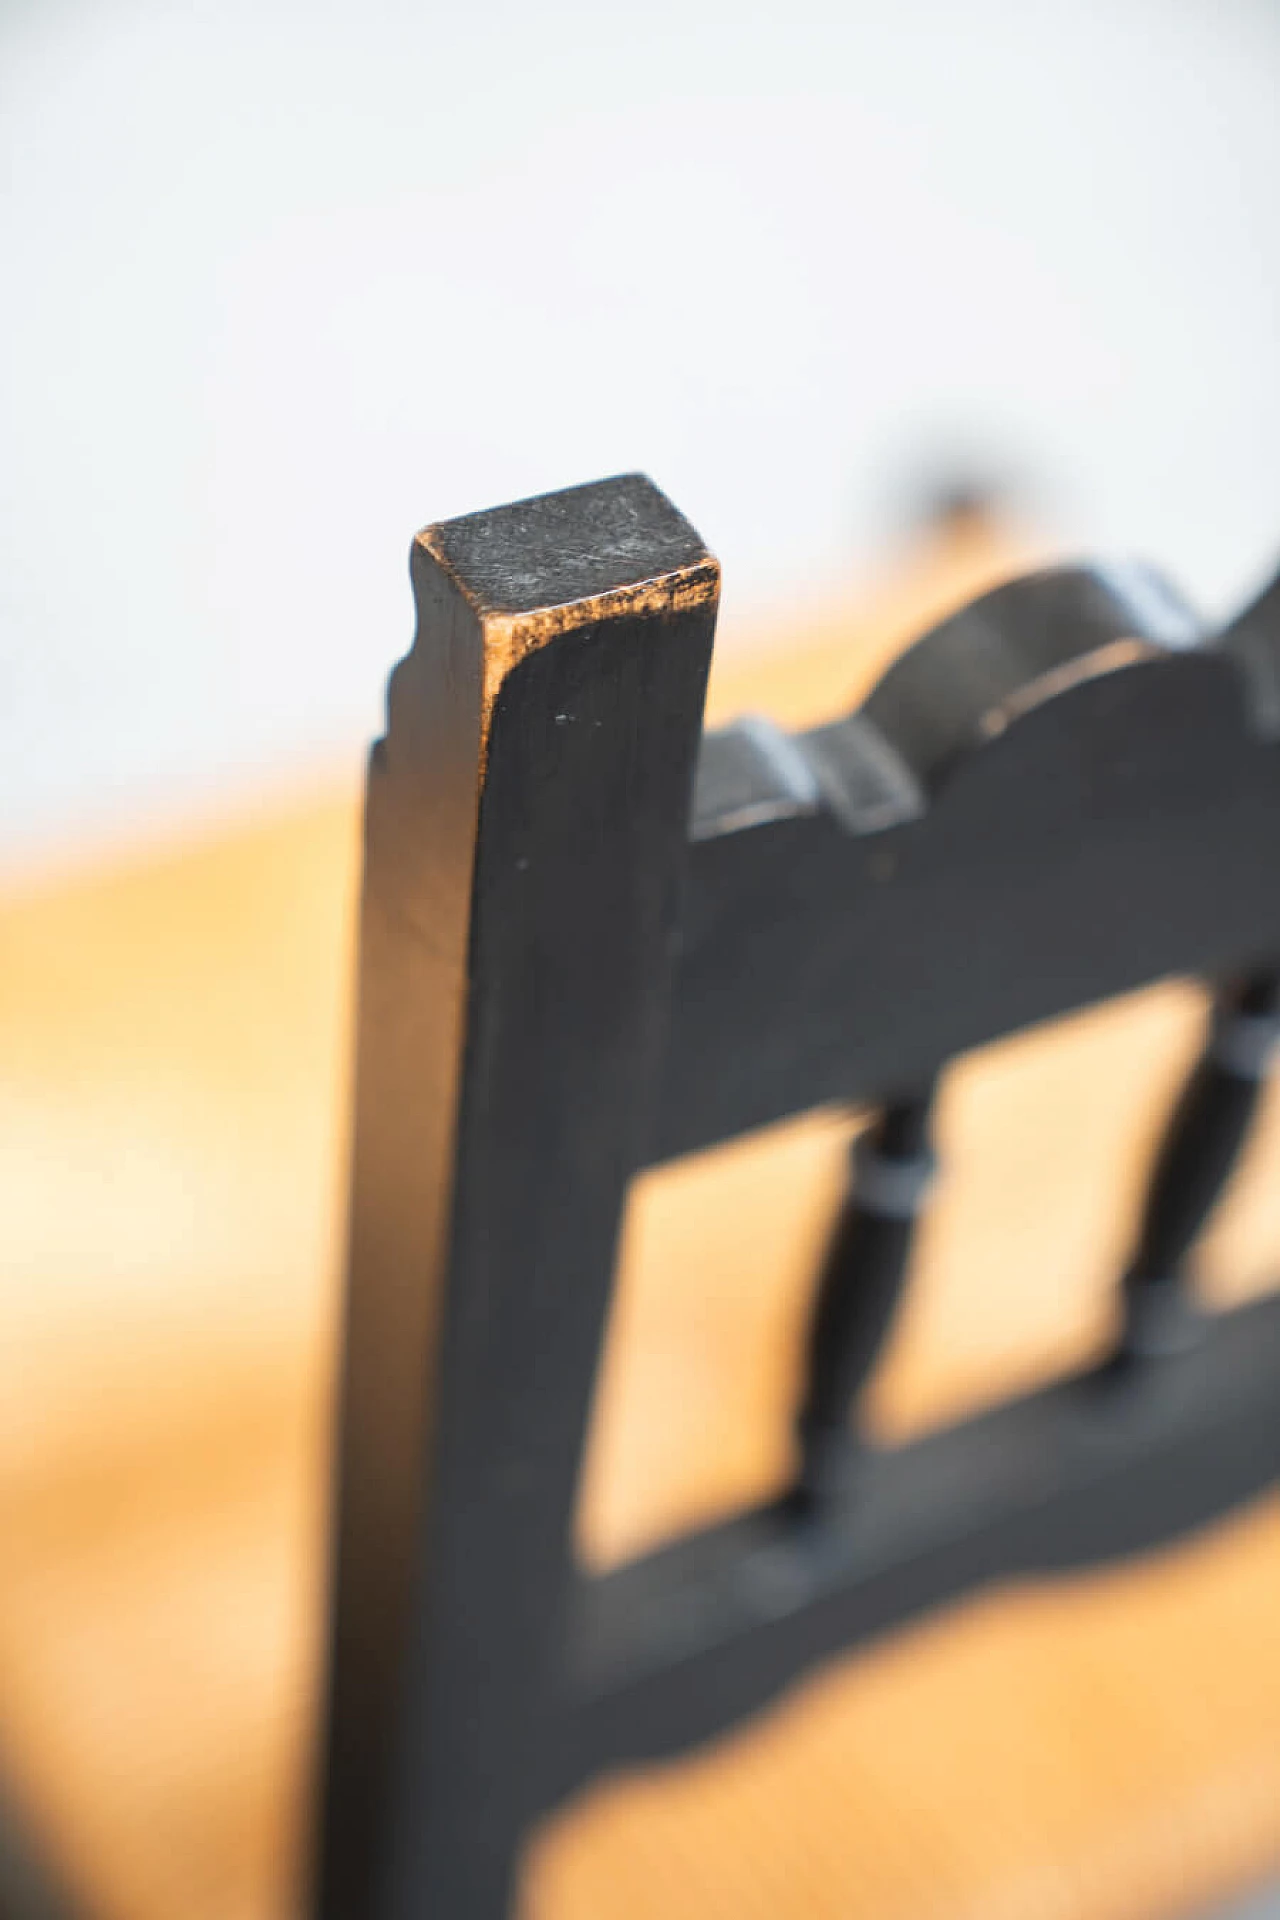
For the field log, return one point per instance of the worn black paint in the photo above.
(519, 922)
(1061, 794)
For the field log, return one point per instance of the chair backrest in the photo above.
(593, 940)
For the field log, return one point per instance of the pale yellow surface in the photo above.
(172, 1063)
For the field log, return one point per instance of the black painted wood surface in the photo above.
(577, 960)
(1206, 1133)
(860, 1287)
(525, 843)
(974, 853)
(683, 1643)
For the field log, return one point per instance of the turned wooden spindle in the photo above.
(862, 1281)
(1197, 1158)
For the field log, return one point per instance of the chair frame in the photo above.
(593, 940)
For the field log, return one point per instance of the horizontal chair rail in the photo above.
(680, 1645)
(1123, 834)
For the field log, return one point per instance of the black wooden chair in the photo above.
(593, 940)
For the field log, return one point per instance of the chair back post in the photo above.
(526, 835)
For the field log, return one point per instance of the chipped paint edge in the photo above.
(510, 638)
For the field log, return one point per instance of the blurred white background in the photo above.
(283, 282)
